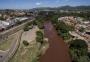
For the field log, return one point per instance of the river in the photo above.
(58, 50)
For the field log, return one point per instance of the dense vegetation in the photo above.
(78, 48)
(79, 51)
(1, 18)
(81, 29)
(39, 22)
(63, 30)
(85, 15)
(39, 37)
(61, 27)
(28, 26)
(81, 11)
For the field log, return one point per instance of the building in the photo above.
(3, 25)
(69, 20)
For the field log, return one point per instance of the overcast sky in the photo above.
(28, 4)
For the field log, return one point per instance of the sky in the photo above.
(28, 4)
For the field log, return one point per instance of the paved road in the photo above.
(58, 50)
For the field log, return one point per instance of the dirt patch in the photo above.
(30, 35)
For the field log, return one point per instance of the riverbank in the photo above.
(33, 50)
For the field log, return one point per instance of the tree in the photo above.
(81, 29)
(84, 59)
(63, 30)
(39, 37)
(28, 26)
(89, 54)
(74, 55)
(78, 50)
(39, 22)
(1, 18)
(25, 43)
(78, 44)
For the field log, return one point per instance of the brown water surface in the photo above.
(58, 50)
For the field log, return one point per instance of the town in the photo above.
(45, 34)
(81, 27)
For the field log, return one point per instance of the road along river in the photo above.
(58, 50)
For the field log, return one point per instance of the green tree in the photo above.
(74, 55)
(84, 59)
(25, 43)
(81, 29)
(78, 49)
(39, 37)
(28, 26)
(78, 44)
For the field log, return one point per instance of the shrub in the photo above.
(78, 50)
(39, 37)
(25, 43)
(78, 44)
(28, 26)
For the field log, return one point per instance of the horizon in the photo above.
(30, 4)
(38, 7)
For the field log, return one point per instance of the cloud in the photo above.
(38, 3)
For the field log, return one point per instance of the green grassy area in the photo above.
(6, 44)
(28, 53)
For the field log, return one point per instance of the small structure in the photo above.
(3, 25)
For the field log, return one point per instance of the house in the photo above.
(3, 25)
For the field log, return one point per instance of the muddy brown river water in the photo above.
(58, 50)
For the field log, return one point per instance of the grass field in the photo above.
(26, 53)
(7, 43)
